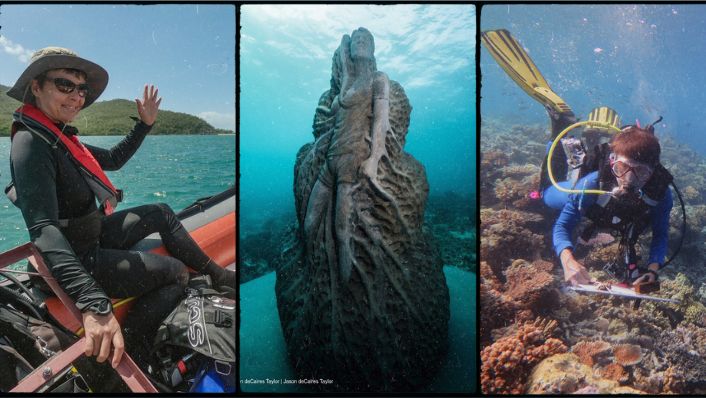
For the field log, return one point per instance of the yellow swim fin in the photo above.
(510, 55)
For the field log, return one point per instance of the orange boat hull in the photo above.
(217, 239)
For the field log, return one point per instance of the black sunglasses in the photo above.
(66, 86)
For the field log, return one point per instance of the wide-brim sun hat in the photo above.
(49, 58)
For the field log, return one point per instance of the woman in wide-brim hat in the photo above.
(68, 204)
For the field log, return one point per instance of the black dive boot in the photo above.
(222, 279)
(559, 165)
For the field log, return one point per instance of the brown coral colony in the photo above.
(627, 354)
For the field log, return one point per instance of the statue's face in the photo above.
(362, 44)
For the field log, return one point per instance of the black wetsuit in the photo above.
(89, 257)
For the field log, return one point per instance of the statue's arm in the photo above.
(381, 124)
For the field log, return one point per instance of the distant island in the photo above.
(113, 118)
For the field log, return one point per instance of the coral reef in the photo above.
(615, 372)
(499, 310)
(531, 285)
(565, 374)
(506, 235)
(614, 347)
(627, 354)
(530, 290)
(506, 362)
(691, 195)
(685, 349)
(588, 351)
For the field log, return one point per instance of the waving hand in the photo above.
(149, 106)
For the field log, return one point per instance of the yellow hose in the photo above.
(556, 141)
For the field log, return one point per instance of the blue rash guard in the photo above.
(576, 205)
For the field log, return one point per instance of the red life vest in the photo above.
(36, 121)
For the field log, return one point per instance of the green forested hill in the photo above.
(113, 118)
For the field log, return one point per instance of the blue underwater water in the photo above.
(282, 76)
(279, 95)
(263, 350)
(176, 170)
(644, 61)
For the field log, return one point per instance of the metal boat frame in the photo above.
(131, 374)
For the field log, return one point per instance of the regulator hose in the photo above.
(556, 141)
(19, 284)
(8, 295)
(683, 226)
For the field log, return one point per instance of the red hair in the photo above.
(637, 144)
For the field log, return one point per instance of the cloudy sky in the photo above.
(188, 51)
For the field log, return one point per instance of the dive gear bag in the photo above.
(196, 342)
(25, 343)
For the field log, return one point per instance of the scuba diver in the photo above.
(618, 183)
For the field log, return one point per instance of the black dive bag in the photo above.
(25, 344)
(197, 337)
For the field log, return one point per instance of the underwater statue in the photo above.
(360, 290)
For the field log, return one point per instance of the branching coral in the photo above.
(498, 310)
(523, 171)
(494, 159)
(690, 309)
(488, 277)
(515, 189)
(691, 195)
(506, 236)
(490, 217)
(599, 256)
(506, 190)
(506, 363)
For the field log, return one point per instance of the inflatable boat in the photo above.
(210, 221)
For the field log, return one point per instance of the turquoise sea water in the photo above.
(171, 169)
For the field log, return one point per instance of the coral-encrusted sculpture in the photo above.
(362, 297)
(506, 363)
